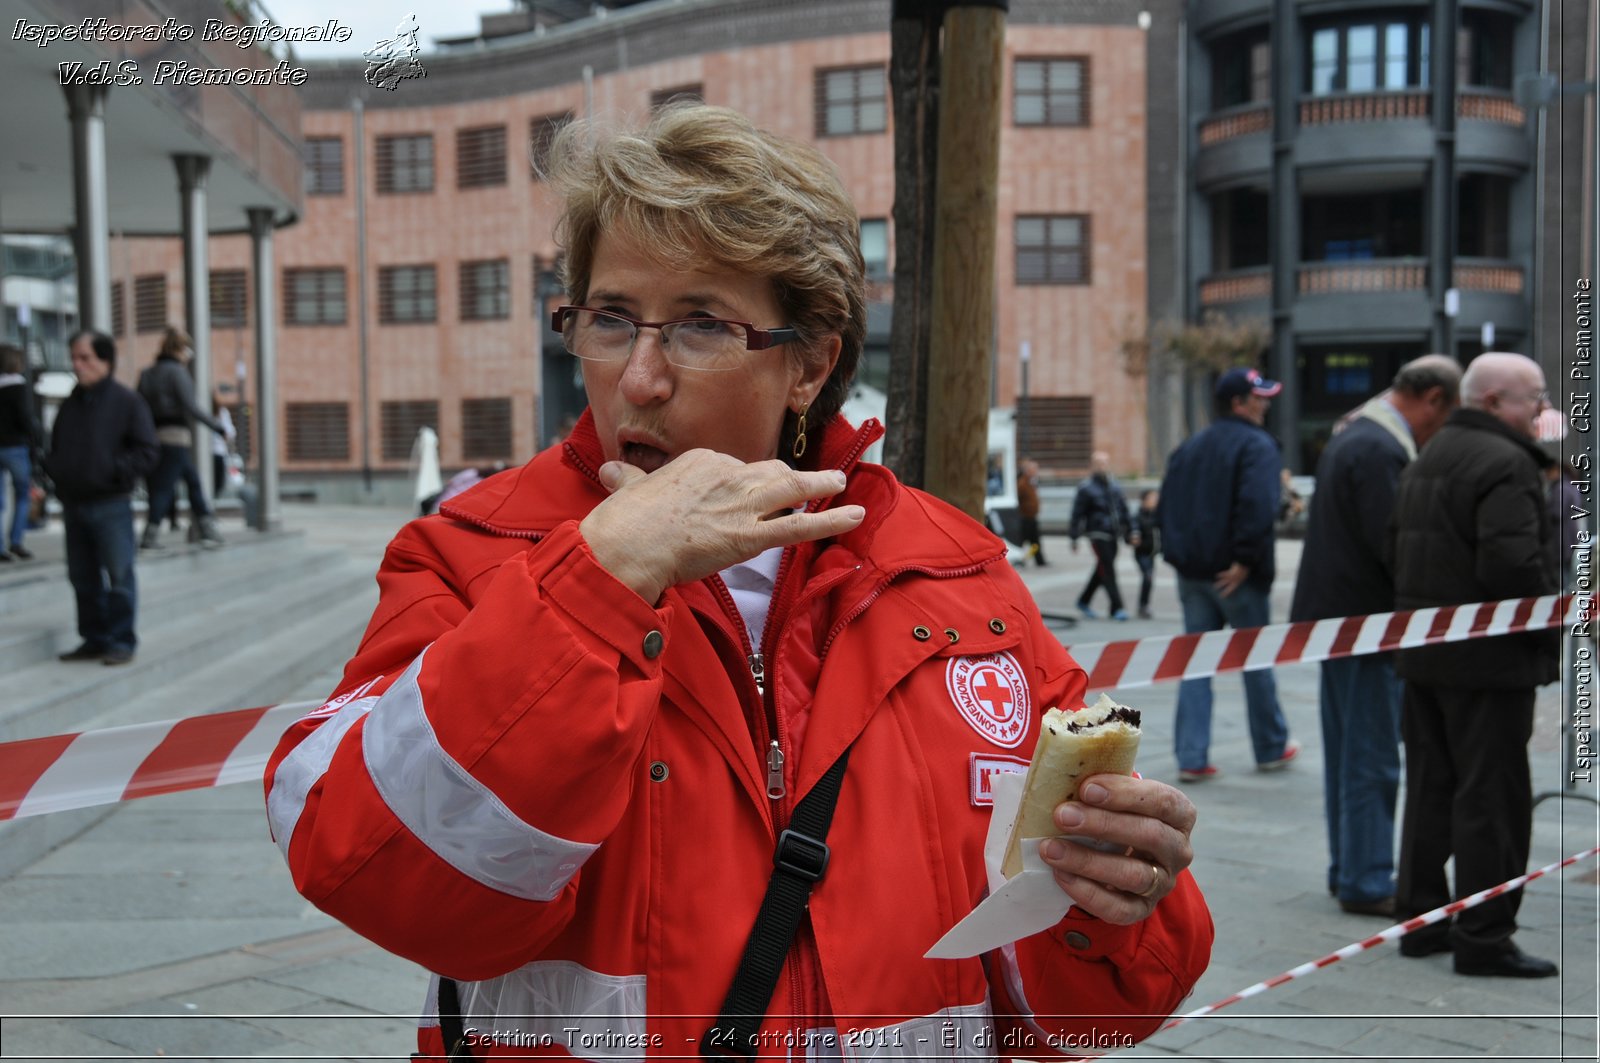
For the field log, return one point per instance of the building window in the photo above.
(481, 156)
(324, 166)
(405, 163)
(485, 290)
(1368, 56)
(313, 297)
(875, 247)
(851, 100)
(407, 295)
(1241, 70)
(150, 303)
(1483, 50)
(1058, 432)
(1053, 249)
(485, 428)
(317, 431)
(1051, 92)
(229, 298)
(399, 423)
(119, 316)
(541, 134)
(1360, 226)
(691, 93)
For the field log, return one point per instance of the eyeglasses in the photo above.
(711, 344)
(1538, 398)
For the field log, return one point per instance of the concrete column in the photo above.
(1442, 176)
(86, 107)
(192, 171)
(268, 515)
(1287, 77)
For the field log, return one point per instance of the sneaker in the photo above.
(4, 557)
(84, 652)
(1210, 771)
(1290, 750)
(1144, 614)
(208, 534)
(1382, 906)
(151, 539)
(21, 553)
(112, 657)
(1088, 614)
(1120, 614)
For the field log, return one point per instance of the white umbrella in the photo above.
(425, 459)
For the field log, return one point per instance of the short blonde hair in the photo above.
(703, 182)
(174, 342)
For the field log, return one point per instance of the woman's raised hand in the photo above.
(702, 512)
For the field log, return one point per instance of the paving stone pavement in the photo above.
(171, 930)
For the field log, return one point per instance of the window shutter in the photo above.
(481, 157)
(399, 423)
(317, 431)
(485, 429)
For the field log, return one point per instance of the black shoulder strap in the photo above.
(799, 863)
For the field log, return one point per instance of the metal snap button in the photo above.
(998, 626)
(658, 771)
(921, 634)
(1077, 940)
(653, 643)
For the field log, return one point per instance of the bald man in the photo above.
(1344, 571)
(1471, 525)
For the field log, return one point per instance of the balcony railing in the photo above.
(1236, 286)
(1365, 107)
(1236, 122)
(1368, 275)
(1488, 105)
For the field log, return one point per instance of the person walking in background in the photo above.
(1028, 508)
(102, 441)
(1471, 525)
(1100, 512)
(169, 389)
(221, 446)
(1146, 546)
(1344, 572)
(19, 438)
(1219, 499)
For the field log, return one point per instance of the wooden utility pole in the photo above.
(962, 330)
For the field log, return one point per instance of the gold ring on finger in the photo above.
(1155, 881)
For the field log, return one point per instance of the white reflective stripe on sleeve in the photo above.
(962, 1032)
(452, 813)
(306, 763)
(561, 1003)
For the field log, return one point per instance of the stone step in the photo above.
(289, 662)
(51, 697)
(200, 583)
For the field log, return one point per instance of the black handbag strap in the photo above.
(798, 864)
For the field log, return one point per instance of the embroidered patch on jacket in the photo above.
(983, 767)
(991, 693)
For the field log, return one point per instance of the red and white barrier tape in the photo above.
(1140, 662)
(69, 771)
(1394, 933)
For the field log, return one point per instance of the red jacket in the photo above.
(533, 782)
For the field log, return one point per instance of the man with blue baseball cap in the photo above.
(1219, 499)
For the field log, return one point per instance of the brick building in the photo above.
(412, 290)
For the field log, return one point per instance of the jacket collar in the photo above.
(1483, 421)
(562, 483)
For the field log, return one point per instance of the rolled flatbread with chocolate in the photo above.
(1101, 738)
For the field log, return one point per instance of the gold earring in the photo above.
(800, 432)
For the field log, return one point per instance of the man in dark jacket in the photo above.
(169, 390)
(1218, 502)
(1100, 512)
(1470, 525)
(102, 442)
(1344, 571)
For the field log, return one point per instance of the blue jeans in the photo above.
(14, 462)
(100, 552)
(1206, 610)
(176, 463)
(1361, 776)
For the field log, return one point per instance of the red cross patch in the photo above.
(991, 693)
